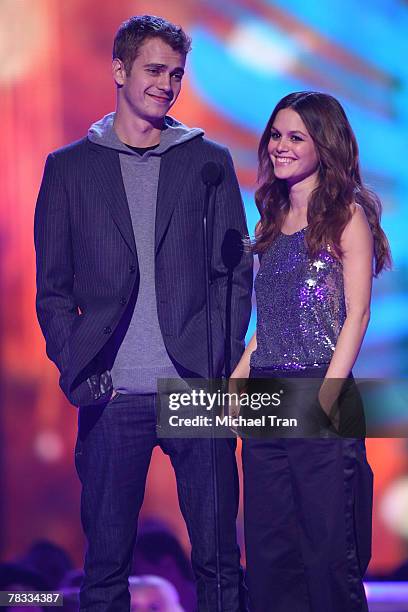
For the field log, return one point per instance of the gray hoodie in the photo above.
(142, 356)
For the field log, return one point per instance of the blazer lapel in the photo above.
(105, 164)
(173, 168)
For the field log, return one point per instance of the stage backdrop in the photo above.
(55, 80)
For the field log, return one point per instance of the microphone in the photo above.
(212, 174)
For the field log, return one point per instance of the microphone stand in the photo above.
(210, 359)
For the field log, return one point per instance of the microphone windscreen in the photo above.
(212, 173)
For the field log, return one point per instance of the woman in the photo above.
(308, 501)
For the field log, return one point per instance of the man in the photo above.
(121, 302)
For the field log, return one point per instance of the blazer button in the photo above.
(107, 330)
(123, 300)
(132, 268)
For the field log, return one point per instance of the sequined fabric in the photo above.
(300, 303)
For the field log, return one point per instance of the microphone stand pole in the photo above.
(207, 258)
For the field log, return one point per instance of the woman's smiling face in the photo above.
(291, 148)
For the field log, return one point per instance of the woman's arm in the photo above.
(240, 373)
(242, 368)
(357, 246)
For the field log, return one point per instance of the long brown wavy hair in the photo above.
(339, 181)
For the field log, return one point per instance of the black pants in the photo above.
(112, 457)
(307, 505)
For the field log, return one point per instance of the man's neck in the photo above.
(137, 132)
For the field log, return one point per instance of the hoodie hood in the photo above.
(174, 133)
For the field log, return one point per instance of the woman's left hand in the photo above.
(328, 399)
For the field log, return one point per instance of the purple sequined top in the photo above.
(300, 303)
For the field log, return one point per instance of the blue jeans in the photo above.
(112, 456)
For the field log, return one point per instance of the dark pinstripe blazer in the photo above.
(87, 266)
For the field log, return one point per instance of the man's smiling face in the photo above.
(154, 82)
